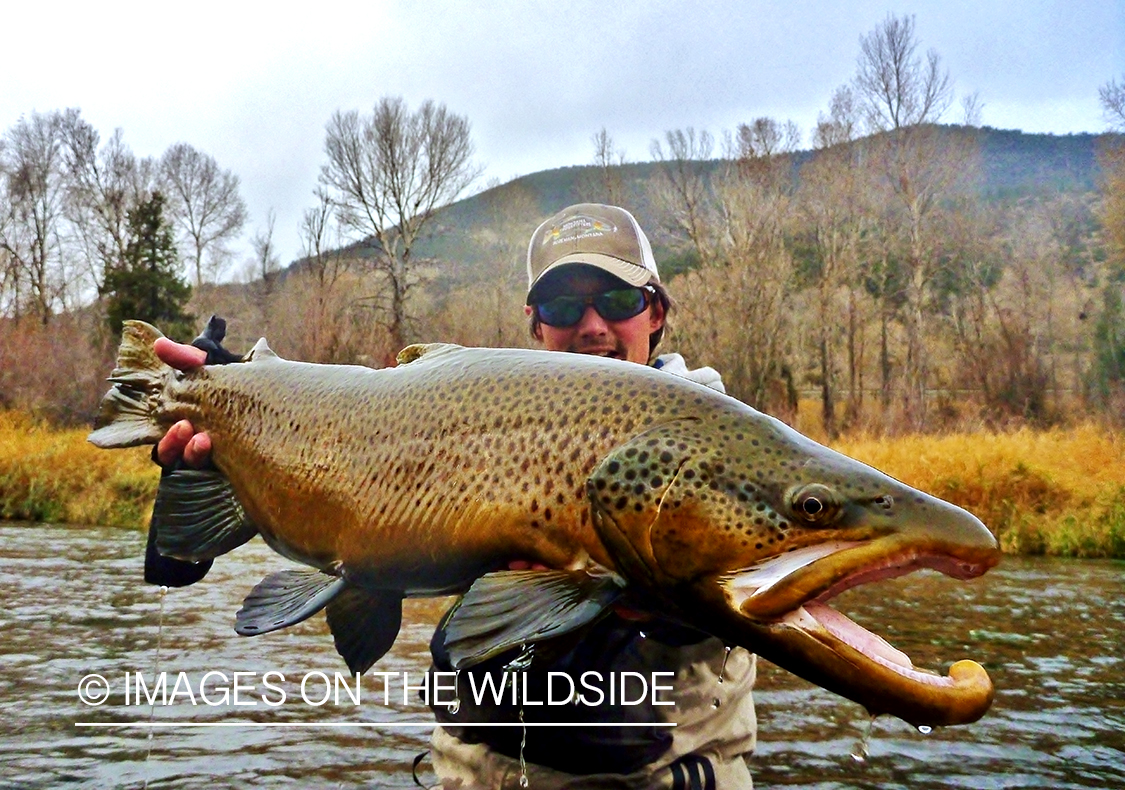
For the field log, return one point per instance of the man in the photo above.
(593, 288)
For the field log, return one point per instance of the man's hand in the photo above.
(182, 441)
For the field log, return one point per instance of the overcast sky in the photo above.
(254, 86)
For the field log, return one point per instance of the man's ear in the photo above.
(655, 315)
(536, 328)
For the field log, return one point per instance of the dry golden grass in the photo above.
(1060, 491)
(48, 474)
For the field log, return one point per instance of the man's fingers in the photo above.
(179, 355)
(182, 441)
(171, 447)
(198, 450)
(526, 565)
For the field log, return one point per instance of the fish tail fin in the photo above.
(126, 416)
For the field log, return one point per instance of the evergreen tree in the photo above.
(145, 284)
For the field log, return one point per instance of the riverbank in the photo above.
(1058, 492)
(51, 474)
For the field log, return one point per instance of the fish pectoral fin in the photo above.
(197, 516)
(286, 598)
(364, 625)
(506, 609)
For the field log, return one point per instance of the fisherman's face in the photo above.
(627, 339)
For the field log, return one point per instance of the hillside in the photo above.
(1014, 165)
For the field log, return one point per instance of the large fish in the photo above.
(638, 486)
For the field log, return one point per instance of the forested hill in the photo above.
(1013, 165)
(1017, 164)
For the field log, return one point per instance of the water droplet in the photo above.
(455, 706)
(523, 744)
(723, 668)
(643, 635)
(925, 729)
(716, 702)
(863, 747)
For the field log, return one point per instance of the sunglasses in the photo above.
(619, 305)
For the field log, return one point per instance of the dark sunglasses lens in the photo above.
(566, 311)
(620, 305)
(563, 311)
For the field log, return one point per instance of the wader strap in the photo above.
(692, 772)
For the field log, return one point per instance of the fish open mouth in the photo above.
(787, 596)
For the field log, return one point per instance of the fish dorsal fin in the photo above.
(261, 350)
(285, 598)
(428, 350)
(364, 625)
(197, 516)
(506, 609)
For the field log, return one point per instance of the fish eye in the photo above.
(811, 506)
(814, 503)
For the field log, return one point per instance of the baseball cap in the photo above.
(606, 237)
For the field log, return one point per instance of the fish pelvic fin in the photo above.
(507, 609)
(126, 416)
(197, 516)
(286, 598)
(364, 625)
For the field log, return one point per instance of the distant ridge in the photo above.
(1015, 165)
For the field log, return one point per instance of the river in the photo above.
(1050, 632)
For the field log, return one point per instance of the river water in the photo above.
(1050, 632)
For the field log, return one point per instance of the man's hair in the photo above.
(660, 293)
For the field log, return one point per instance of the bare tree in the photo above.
(898, 88)
(972, 109)
(205, 205)
(1111, 157)
(831, 198)
(325, 262)
(31, 233)
(733, 215)
(386, 175)
(681, 188)
(1112, 97)
(103, 185)
(903, 97)
(266, 261)
(491, 310)
(607, 184)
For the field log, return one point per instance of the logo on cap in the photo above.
(578, 227)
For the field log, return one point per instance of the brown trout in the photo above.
(637, 486)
